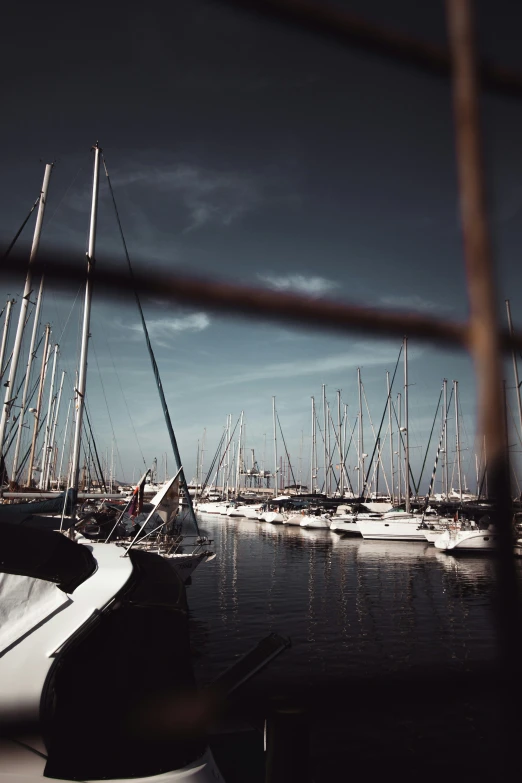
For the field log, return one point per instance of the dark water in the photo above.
(361, 609)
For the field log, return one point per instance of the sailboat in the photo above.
(471, 537)
(398, 524)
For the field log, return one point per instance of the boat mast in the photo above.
(202, 454)
(391, 432)
(343, 467)
(63, 446)
(459, 464)
(53, 434)
(7, 320)
(325, 424)
(229, 430)
(275, 446)
(82, 380)
(340, 444)
(399, 449)
(238, 463)
(407, 441)
(22, 317)
(45, 359)
(26, 382)
(360, 477)
(48, 421)
(515, 366)
(445, 402)
(313, 477)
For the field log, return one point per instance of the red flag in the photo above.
(136, 503)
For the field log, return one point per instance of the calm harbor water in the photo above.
(351, 608)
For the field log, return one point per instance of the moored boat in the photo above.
(472, 540)
(316, 521)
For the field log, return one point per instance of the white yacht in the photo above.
(316, 522)
(274, 517)
(472, 540)
(347, 523)
(294, 518)
(252, 512)
(396, 525)
(213, 508)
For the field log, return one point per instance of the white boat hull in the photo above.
(344, 527)
(293, 519)
(467, 541)
(185, 565)
(391, 530)
(432, 535)
(232, 511)
(274, 517)
(315, 523)
(251, 513)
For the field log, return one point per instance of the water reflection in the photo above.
(349, 605)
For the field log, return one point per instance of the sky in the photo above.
(245, 150)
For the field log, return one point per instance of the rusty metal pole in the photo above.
(483, 327)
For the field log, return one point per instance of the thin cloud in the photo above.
(364, 355)
(163, 330)
(312, 286)
(414, 302)
(207, 196)
(204, 196)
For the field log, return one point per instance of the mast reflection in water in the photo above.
(352, 608)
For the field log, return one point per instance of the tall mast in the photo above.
(45, 358)
(63, 447)
(399, 449)
(515, 367)
(275, 446)
(445, 420)
(111, 480)
(82, 379)
(47, 476)
(27, 382)
(301, 463)
(360, 476)
(325, 424)
(378, 466)
(201, 455)
(22, 317)
(459, 464)
(313, 478)
(329, 453)
(229, 430)
(7, 321)
(340, 444)
(48, 421)
(343, 468)
(406, 430)
(391, 431)
(238, 464)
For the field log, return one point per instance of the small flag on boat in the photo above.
(166, 501)
(136, 503)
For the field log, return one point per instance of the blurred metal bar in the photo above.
(330, 21)
(484, 341)
(258, 303)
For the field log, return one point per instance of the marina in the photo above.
(261, 413)
(355, 610)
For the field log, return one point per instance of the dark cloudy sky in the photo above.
(244, 149)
